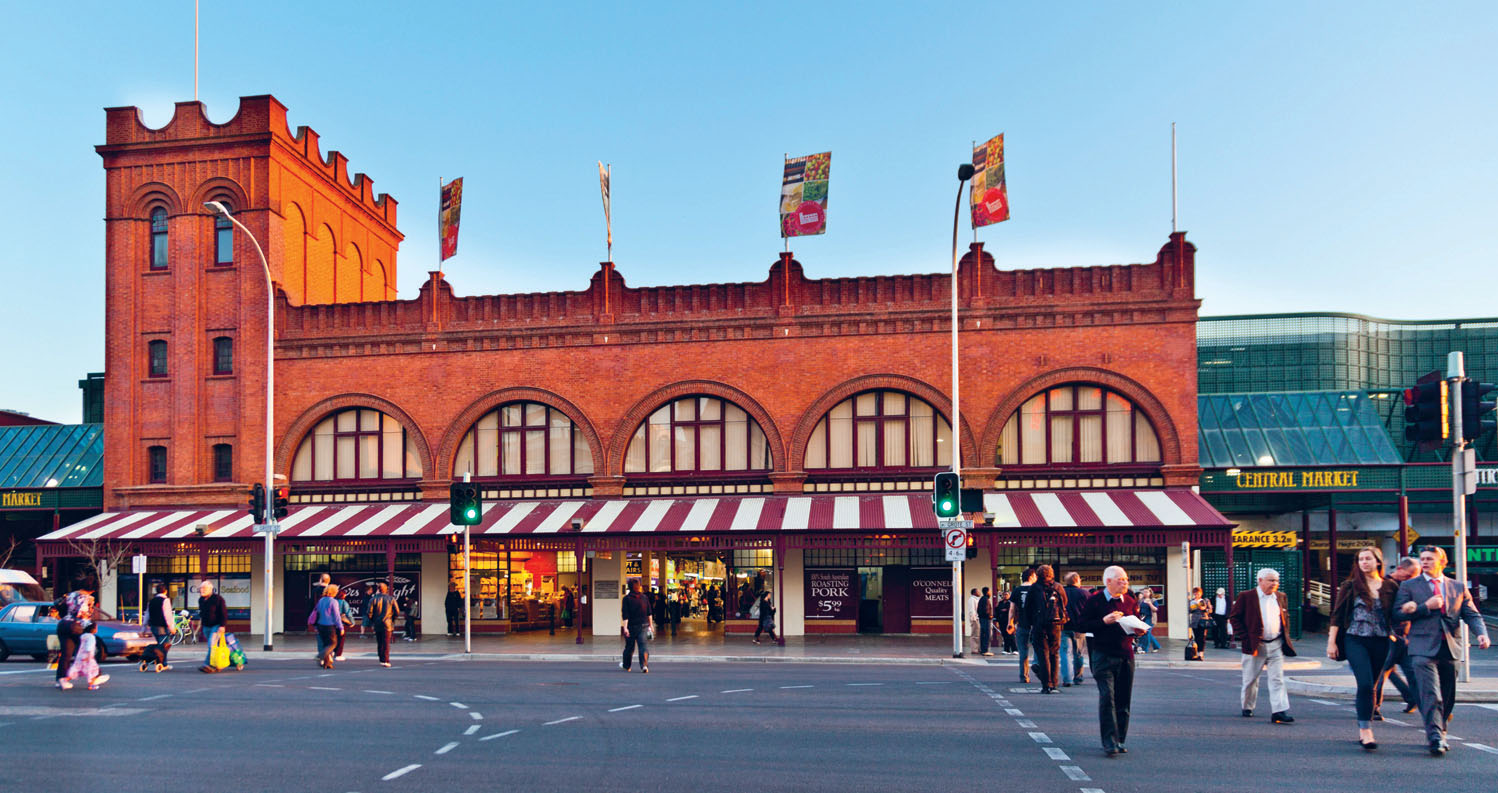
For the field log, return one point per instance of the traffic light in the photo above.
(1475, 409)
(280, 501)
(257, 503)
(1427, 418)
(972, 550)
(465, 505)
(946, 497)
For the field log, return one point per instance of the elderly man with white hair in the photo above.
(1111, 651)
(213, 614)
(1261, 623)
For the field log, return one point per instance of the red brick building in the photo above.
(755, 431)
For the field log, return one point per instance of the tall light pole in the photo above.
(964, 173)
(270, 412)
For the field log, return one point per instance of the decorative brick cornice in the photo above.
(894, 382)
(643, 408)
(292, 437)
(1165, 428)
(447, 449)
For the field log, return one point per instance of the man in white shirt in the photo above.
(1260, 620)
(1220, 619)
(972, 617)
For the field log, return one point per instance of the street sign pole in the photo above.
(1455, 373)
(467, 572)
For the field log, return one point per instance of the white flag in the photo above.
(603, 184)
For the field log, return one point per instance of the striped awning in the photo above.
(1103, 509)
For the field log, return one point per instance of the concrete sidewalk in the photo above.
(712, 647)
(1344, 686)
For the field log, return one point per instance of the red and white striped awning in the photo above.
(1103, 509)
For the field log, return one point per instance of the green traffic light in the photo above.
(946, 506)
(471, 513)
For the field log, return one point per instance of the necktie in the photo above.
(1435, 584)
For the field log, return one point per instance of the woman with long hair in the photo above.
(1147, 613)
(1359, 632)
(1200, 619)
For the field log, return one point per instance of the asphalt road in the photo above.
(445, 725)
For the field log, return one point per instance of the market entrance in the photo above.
(690, 592)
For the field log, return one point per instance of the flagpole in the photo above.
(608, 219)
(970, 200)
(784, 158)
(439, 225)
(195, 50)
(1172, 177)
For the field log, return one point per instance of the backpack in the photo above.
(1051, 610)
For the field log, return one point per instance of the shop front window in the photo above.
(182, 575)
(529, 590)
(752, 575)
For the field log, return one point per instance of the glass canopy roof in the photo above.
(1276, 429)
(36, 455)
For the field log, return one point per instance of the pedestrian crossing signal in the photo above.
(465, 504)
(280, 501)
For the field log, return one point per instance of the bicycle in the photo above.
(184, 630)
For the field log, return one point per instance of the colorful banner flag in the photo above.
(990, 197)
(803, 195)
(603, 184)
(447, 217)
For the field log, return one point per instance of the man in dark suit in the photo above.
(1435, 607)
(1261, 622)
(1111, 652)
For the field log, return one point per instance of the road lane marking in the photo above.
(1324, 702)
(427, 698)
(1075, 773)
(324, 688)
(678, 699)
(326, 674)
(400, 772)
(1055, 754)
(1481, 747)
(1013, 712)
(472, 728)
(376, 691)
(498, 735)
(735, 691)
(458, 705)
(934, 682)
(270, 685)
(26, 671)
(47, 711)
(1091, 790)
(447, 748)
(865, 684)
(1026, 723)
(148, 699)
(475, 715)
(626, 707)
(1040, 737)
(1396, 722)
(561, 721)
(795, 686)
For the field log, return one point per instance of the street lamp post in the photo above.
(964, 173)
(270, 411)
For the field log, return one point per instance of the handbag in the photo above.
(218, 658)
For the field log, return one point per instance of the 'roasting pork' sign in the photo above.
(831, 594)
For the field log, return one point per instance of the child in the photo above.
(86, 661)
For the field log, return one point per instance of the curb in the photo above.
(1309, 688)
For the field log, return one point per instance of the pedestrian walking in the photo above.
(1148, 612)
(569, 607)
(1004, 614)
(766, 617)
(1261, 622)
(453, 608)
(327, 620)
(1435, 607)
(970, 617)
(382, 612)
(85, 664)
(634, 612)
(1111, 652)
(1071, 640)
(413, 613)
(1398, 660)
(213, 615)
(984, 610)
(1359, 632)
(365, 623)
(76, 608)
(1046, 605)
(1199, 620)
(1022, 623)
(1220, 606)
(160, 619)
(346, 616)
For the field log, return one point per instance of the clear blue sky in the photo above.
(1324, 147)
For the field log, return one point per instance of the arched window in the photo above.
(880, 430)
(223, 462)
(1078, 424)
(158, 239)
(223, 355)
(698, 434)
(223, 237)
(524, 439)
(156, 358)
(156, 464)
(356, 444)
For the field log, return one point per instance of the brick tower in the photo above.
(185, 295)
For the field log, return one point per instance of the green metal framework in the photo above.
(1291, 428)
(33, 456)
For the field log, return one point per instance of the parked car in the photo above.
(18, 585)
(25, 626)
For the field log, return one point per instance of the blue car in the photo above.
(25, 626)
